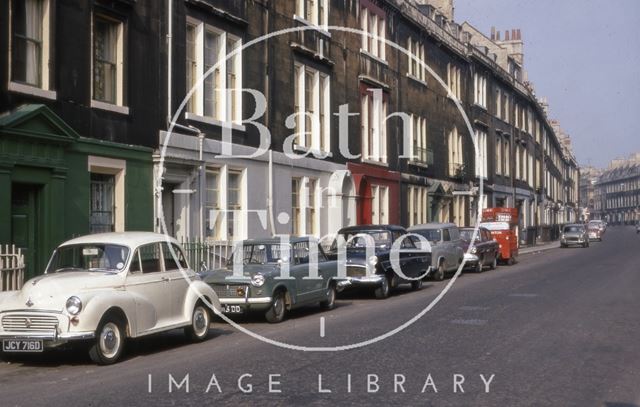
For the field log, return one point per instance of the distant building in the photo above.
(617, 191)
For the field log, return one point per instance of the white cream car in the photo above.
(106, 288)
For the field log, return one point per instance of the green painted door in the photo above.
(23, 224)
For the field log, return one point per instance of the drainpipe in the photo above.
(265, 60)
(169, 58)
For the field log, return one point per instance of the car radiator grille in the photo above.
(230, 291)
(356, 271)
(22, 323)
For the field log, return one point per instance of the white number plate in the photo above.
(22, 345)
(232, 309)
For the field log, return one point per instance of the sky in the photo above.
(584, 56)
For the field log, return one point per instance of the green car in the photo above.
(261, 284)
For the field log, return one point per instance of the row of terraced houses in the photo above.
(114, 112)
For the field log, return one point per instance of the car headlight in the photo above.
(373, 260)
(74, 305)
(474, 250)
(257, 280)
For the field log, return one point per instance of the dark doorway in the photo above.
(24, 224)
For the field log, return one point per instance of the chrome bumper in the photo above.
(374, 280)
(49, 336)
(242, 301)
(471, 258)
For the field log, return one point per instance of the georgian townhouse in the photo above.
(78, 90)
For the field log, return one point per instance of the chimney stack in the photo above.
(493, 33)
(506, 35)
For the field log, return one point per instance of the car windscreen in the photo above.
(573, 229)
(432, 235)
(467, 235)
(89, 257)
(261, 253)
(358, 239)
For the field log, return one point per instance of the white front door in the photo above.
(150, 286)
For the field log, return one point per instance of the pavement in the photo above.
(560, 329)
(539, 247)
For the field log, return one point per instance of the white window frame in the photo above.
(45, 88)
(319, 13)
(319, 138)
(453, 79)
(379, 204)
(416, 60)
(223, 111)
(307, 205)
(221, 218)
(480, 90)
(481, 157)
(374, 105)
(371, 23)
(118, 168)
(118, 106)
(455, 151)
(418, 129)
(418, 199)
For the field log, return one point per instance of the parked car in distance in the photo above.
(638, 227)
(484, 249)
(414, 261)
(574, 234)
(594, 232)
(601, 225)
(106, 288)
(446, 246)
(259, 289)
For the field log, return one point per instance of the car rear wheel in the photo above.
(416, 285)
(330, 302)
(109, 341)
(479, 265)
(383, 290)
(278, 308)
(494, 263)
(200, 321)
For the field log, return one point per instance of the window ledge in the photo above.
(96, 104)
(315, 152)
(416, 79)
(319, 28)
(373, 162)
(418, 163)
(214, 122)
(370, 55)
(32, 90)
(480, 106)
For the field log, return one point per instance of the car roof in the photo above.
(131, 239)
(433, 225)
(277, 240)
(357, 228)
(574, 224)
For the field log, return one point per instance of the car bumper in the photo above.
(570, 242)
(49, 339)
(471, 258)
(363, 281)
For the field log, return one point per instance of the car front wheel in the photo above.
(439, 275)
(109, 341)
(416, 285)
(383, 290)
(200, 321)
(330, 302)
(494, 263)
(278, 308)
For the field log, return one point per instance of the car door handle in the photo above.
(165, 278)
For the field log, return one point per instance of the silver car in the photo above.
(446, 246)
(574, 234)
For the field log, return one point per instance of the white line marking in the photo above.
(322, 327)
